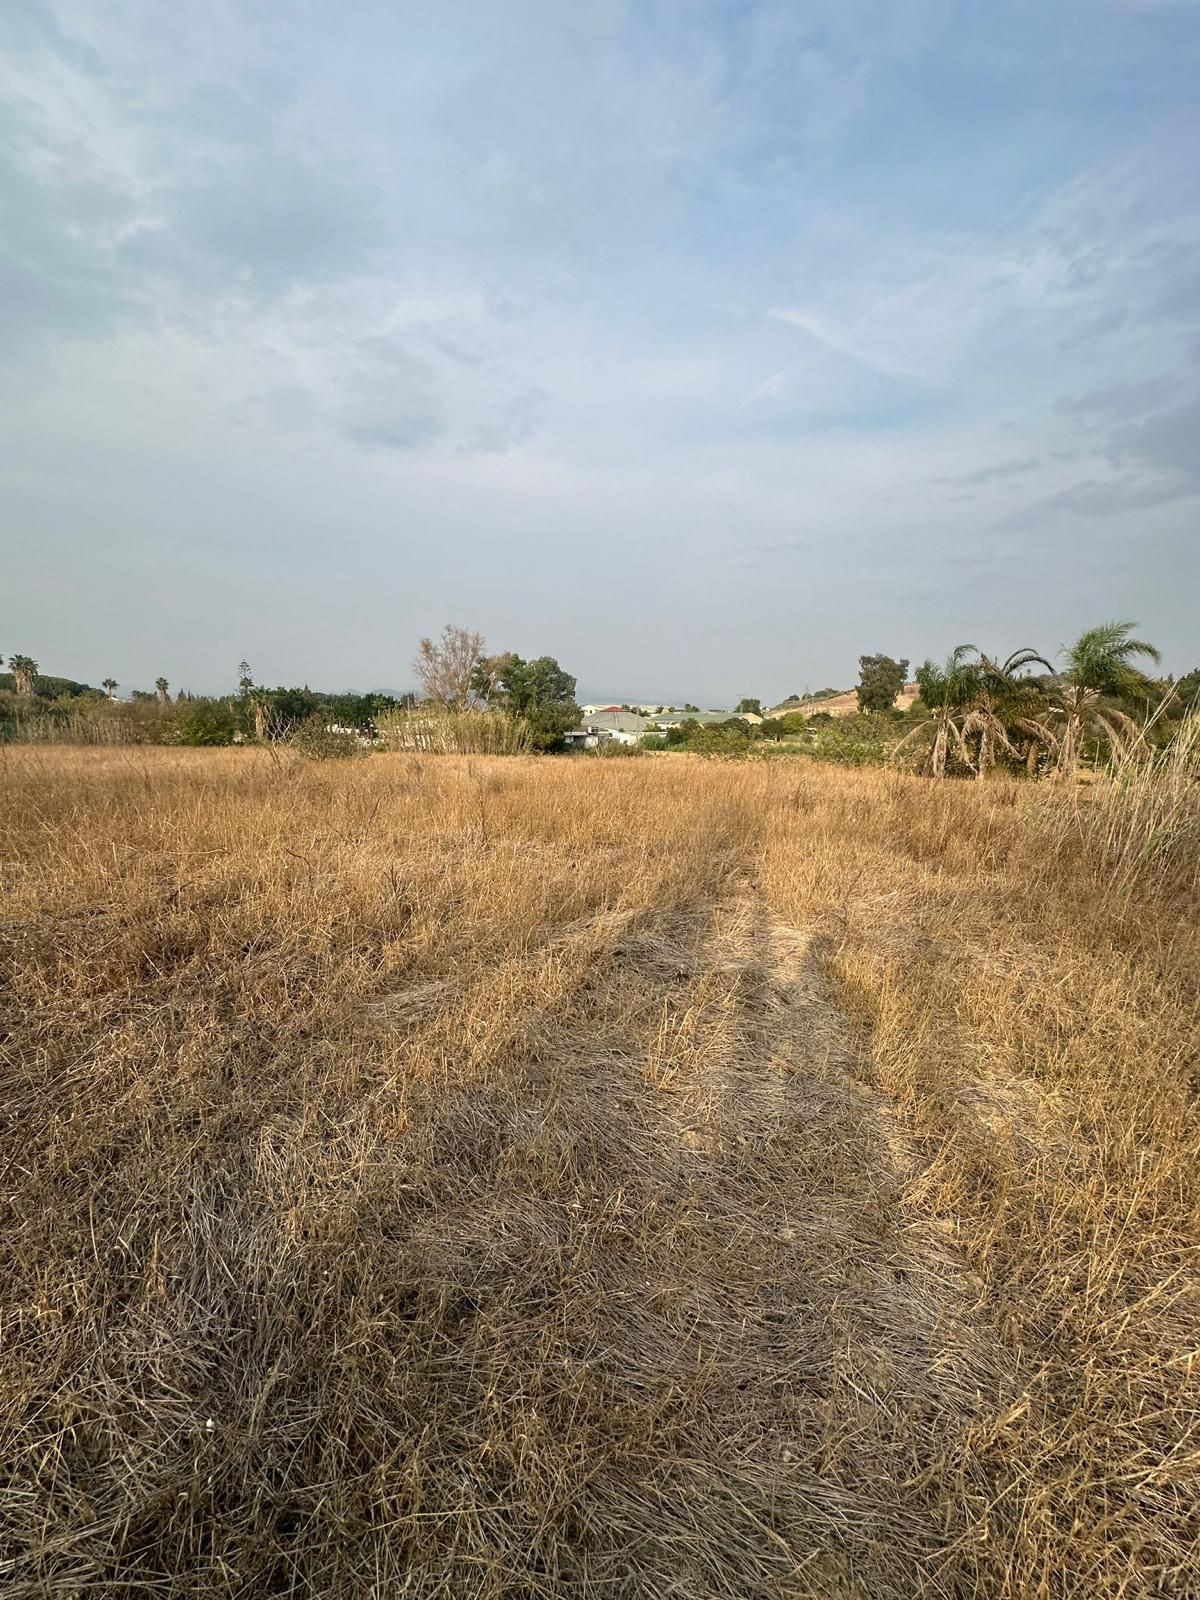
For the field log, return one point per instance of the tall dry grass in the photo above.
(432, 730)
(1138, 823)
(528, 1178)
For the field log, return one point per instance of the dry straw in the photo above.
(463, 1177)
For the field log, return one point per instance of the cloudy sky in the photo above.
(702, 345)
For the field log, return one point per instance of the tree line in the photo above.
(974, 711)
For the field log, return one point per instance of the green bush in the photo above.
(861, 740)
(203, 723)
(732, 738)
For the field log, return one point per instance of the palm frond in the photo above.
(1102, 658)
(1020, 659)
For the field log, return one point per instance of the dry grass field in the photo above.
(515, 1178)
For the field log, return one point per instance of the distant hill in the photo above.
(841, 705)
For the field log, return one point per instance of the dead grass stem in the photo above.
(511, 1178)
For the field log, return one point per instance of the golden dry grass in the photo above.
(515, 1178)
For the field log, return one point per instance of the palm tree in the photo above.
(25, 673)
(162, 689)
(260, 708)
(947, 692)
(1006, 703)
(1100, 664)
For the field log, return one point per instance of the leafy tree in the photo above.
(538, 691)
(109, 685)
(772, 728)
(162, 689)
(25, 674)
(881, 679)
(245, 678)
(1100, 666)
(449, 668)
(1186, 691)
(358, 710)
(285, 705)
(747, 705)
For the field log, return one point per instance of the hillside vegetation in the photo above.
(516, 1178)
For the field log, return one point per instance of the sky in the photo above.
(704, 346)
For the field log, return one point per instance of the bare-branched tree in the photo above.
(447, 667)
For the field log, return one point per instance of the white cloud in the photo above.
(469, 273)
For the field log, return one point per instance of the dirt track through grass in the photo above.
(582, 1179)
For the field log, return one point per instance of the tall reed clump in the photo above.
(1137, 824)
(94, 722)
(433, 730)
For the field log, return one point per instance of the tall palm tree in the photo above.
(162, 689)
(1099, 665)
(261, 708)
(110, 685)
(1006, 703)
(947, 692)
(25, 673)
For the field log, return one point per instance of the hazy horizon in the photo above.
(702, 346)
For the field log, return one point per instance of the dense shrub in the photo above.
(204, 723)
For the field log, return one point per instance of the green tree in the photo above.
(539, 692)
(162, 689)
(1099, 667)
(285, 705)
(748, 705)
(109, 685)
(25, 674)
(1186, 692)
(881, 679)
